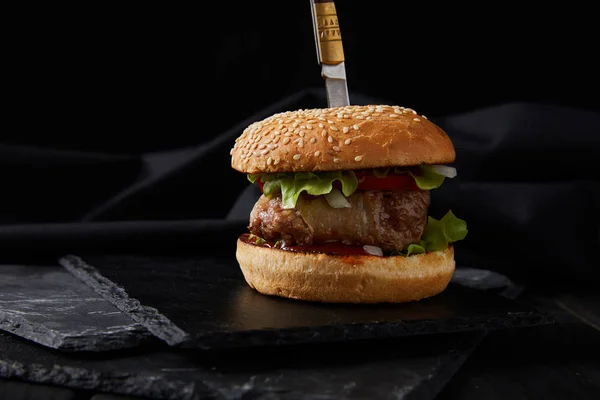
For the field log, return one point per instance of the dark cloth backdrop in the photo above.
(527, 185)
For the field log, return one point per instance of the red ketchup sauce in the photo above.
(325, 248)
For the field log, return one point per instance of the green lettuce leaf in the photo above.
(439, 234)
(416, 248)
(429, 179)
(291, 185)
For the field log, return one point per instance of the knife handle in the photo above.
(329, 38)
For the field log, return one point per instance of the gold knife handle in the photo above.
(329, 38)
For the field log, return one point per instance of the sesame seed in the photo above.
(312, 140)
(329, 121)
(416, 119)
(301, 133)
(393, 115)
(336, 160)
(348, 141)
(276, 139)
(369, 117)
(284, 130)
(295, 125)
(424, 116)
(323, 132)
(253, 147)
(256, 153)
(321, 125)
(269, 161)
(345, 129)
(359, 117)
(330, 139)
(302, 127)
(301, 143)
(358, 158)
(277, 132)
(285, 150)
(297, 157)
(276, 161)
(286, 140)
(333, 128)
(308, 126)
(335, 148)
(356, 127)
(265, 151)
(317, 153)
(288, 133)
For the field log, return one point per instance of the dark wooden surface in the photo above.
(560, 361)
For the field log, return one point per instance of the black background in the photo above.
(133, 78)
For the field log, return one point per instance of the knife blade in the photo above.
(330, 51)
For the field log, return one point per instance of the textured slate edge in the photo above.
(149, 317)
(381, 330)
(57, 340)
(143, 385)
(21, 327)
(163, 328)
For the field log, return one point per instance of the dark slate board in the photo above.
(403, 368)
(204, 302)
(50, 306)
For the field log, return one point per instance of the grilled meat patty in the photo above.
(387, 219)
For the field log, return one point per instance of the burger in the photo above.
(343, 211)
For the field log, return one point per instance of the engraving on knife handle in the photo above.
(328, 32)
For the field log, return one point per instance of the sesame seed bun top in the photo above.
(340, 138)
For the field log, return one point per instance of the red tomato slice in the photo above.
(389, 182)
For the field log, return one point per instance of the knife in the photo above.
(330, 51)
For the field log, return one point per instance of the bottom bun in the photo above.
(332, 278)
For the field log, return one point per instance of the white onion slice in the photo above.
(336, 199)
(448, 172)
(373, 250)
